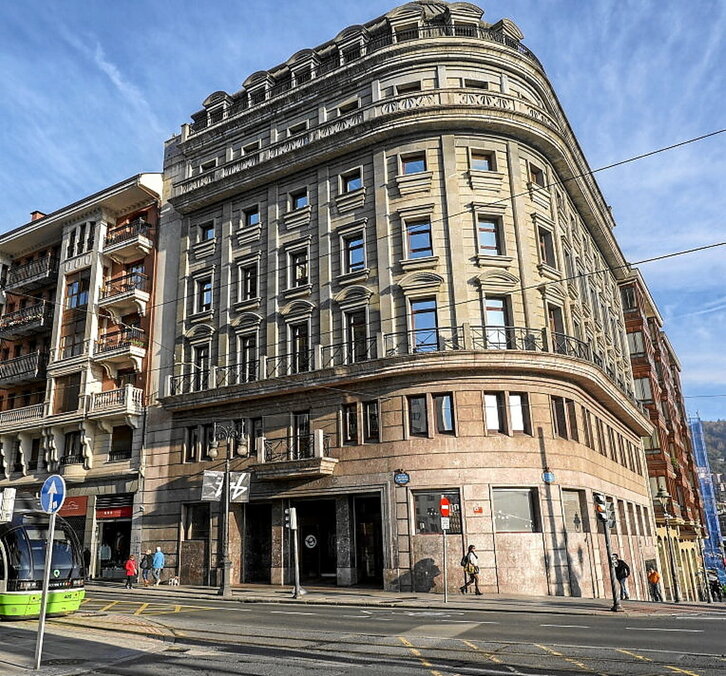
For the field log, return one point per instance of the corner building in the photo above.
(380, 247)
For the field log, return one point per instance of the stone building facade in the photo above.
(391, 260)
(74, 360)
(668, 450)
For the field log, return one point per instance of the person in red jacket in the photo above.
(131, 571)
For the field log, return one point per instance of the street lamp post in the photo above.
(231, 434)
(663, 498)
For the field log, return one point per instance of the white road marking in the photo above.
(690, 631)
(289, 612)
(566, 626)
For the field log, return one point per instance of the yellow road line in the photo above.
(141, 609)
(571, 660)
(681, 671)
(416, 653)
(627, 652)
(489, 656)
(108, 606)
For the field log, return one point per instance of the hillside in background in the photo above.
(715, 435)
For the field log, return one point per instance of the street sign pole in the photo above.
(446, 578)
(291, 515)
(444, 510)
(44, 598)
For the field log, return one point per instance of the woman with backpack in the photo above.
(471, 568)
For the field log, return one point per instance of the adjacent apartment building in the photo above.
(396, 280)
(668, 449)
(74, 359)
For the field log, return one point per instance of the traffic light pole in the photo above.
(617, 607)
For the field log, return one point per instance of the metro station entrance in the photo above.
(318, 540)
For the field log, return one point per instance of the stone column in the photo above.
(347, 573)
(280, 571)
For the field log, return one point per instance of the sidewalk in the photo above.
(357, 596)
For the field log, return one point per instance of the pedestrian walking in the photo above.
(157, 565)
(716, 592)
(654, 584)
(470, 563)
(147, 563)
(622, 573)
(131, 571)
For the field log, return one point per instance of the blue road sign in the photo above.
(52, 494)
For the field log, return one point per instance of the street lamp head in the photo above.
(213, 449)
(662, 497)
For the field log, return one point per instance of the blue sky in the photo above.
(90, 90)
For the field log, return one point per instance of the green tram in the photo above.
(22, 562)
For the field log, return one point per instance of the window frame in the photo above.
(248, 215)
(410, 87)
(200, 305)
(371, 433)
(433, 519)
(546, 248)
(247, 283)
(427, 232)
(440, 425)
(349, 424)
(346, 176)
(501, 412)
(496, 222)
(412, 158)
(303, 252)
(532, 495)
(422, 430)
(489, 154)
(536, 175)
(348, 267)
(295, 195)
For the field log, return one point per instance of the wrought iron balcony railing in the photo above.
(350, 352)
(74, 459)
(419, 341)
(507, 338)
(290, 364)
(295, 448)
(240, 374)
(129, 231)
(26, 320)
(24, 368)
(38, 270)
(134, 281)
(119, 340)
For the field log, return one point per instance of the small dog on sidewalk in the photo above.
(173, 581)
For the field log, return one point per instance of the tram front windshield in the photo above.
(25, 550)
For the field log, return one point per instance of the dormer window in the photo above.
(303, 75)
(408, 32)
(216, 116)
(258, 96)
(351, 53)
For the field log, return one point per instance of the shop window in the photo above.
(428, 516)
(372, 426)
(196, 521)
(574, 506)
(515, 510)
(417, 416)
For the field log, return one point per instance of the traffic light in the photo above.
(601, 507)
(291, 518)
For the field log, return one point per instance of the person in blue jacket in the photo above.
(158, 565)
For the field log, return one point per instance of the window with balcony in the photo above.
(481, 160)
(418, 239)
(496, 320)
(247, 282)
(413, 164)
(444, 412)
(247, 357)
(418, 425)
(489, 238)
(67, 393)
(354, 258)
(251, 216)
(200, 368)
(356, 335)
(301, 446)
(72, 449)
(371, 424)
(515, 510)
(300, 346)
(203, 301)
(298, 199)
(351, 181)
(298, 268)
(424, 325)
(350, 424)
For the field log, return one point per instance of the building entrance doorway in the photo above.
(258, 542)
(318, 540)
(369, 539)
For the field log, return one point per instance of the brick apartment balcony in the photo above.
(24, 369)
(120, 348)
(129, 242)
(126, 294)
(305, 456)
(26, 321)
(22, 415)
(417, 342)
(127, 400)
(32, 275)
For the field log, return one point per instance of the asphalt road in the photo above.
(219, 637)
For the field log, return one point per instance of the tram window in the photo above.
(18, 554)
(62, 558)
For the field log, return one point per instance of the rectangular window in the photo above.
(559, 417)
(643, 391)
(301, 439)
(428, 516)
(372, 429)
(572, 420)
(627, 295)
(207, 166)
(297, 129)
(348, 107)
(351, 181)
(248, 282)
(206, 231)
(418, 239)
(519, 421)
(482, 161)
(248, 357)
(476, 84)
(252, 216)
(121, 442)
(417, 416)
(488, 237)
(356, 336)
(191, 444)
(536, 176)
(635, 343)
(574, 507)
(587, 427)
(72, 448)
(204, 295)
(298, 268)
(496, 315)
(354, 253)
(77, 286)
(200, 368)
(546, 247)
(350, 423)
(300, 347)
(424, 325)
(409, 88)
(413, 164)
(298, 199)
(67, 393)
(251, 148)
(515, 510)
(444, 409)
(494, 412)
(196, 521)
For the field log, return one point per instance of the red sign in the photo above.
(75, 506)
(444, 505)
(113, 513)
